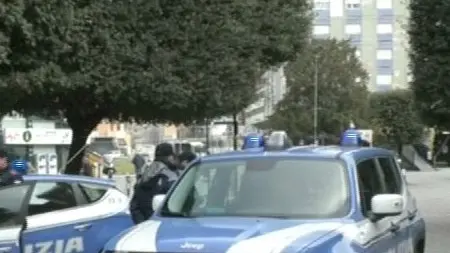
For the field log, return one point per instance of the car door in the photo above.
(394, 185)
(378, 235)
(109, 216)
(51, 211)
(12, 217)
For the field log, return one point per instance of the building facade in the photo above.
(376, 29)
(271, 91)
(42, 142)
(119, 131)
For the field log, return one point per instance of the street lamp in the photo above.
(316, 98)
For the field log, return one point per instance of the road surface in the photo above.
(432, 190)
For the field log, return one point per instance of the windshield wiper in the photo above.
(174, 214)
(272, 216)
(267, 216)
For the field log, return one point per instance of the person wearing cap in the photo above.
(156, 178)
(7, 176)
(185, 158)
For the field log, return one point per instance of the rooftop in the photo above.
(304, 151)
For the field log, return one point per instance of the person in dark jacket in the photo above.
(157, 178)
(7, 176)
(138, 162)
(86, 168)
(185, 158)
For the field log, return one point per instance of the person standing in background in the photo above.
(156, 178)
(139, 162)
(185, 158)
(87, 169)
(7, 175)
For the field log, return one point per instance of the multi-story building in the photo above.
(271, 91)
(376, 29)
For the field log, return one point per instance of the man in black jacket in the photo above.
(185, 158)
(138, 162)
(7, 176)
(157, 178)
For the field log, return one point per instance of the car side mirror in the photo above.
(384, 205)
(157, 201)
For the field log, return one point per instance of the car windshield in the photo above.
(264, 187)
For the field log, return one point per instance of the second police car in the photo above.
(304, 199)
(61, 214)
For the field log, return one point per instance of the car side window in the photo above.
(392, 176)
(369, 184)
(11, 204)
(51, 196)
(93, 192)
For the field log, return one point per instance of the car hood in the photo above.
(227, 235)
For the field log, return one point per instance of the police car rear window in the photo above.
(93, 192)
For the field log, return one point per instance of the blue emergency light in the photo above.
(275, 141)
(253, 141)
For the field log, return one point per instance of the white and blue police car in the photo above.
(61, 214)
(304, 199)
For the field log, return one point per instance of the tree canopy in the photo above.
(163, 61)
(395, 118)
(429, 30)
(342, 91)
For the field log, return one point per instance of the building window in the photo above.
(321, 4)
(384, 67)
(353, 29)
(385, 28)
(384, 79)
(321, 30)
(384, 54)
(352, 4)
(384, 4)
(385, 41)
(355, 40)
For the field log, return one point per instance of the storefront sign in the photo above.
(37, 136)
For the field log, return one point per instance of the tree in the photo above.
(394, 117)
(341, 84)
(165, 61)
(428, 30)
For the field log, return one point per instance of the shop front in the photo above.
(46, 149)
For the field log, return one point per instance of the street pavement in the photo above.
(432, 191)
